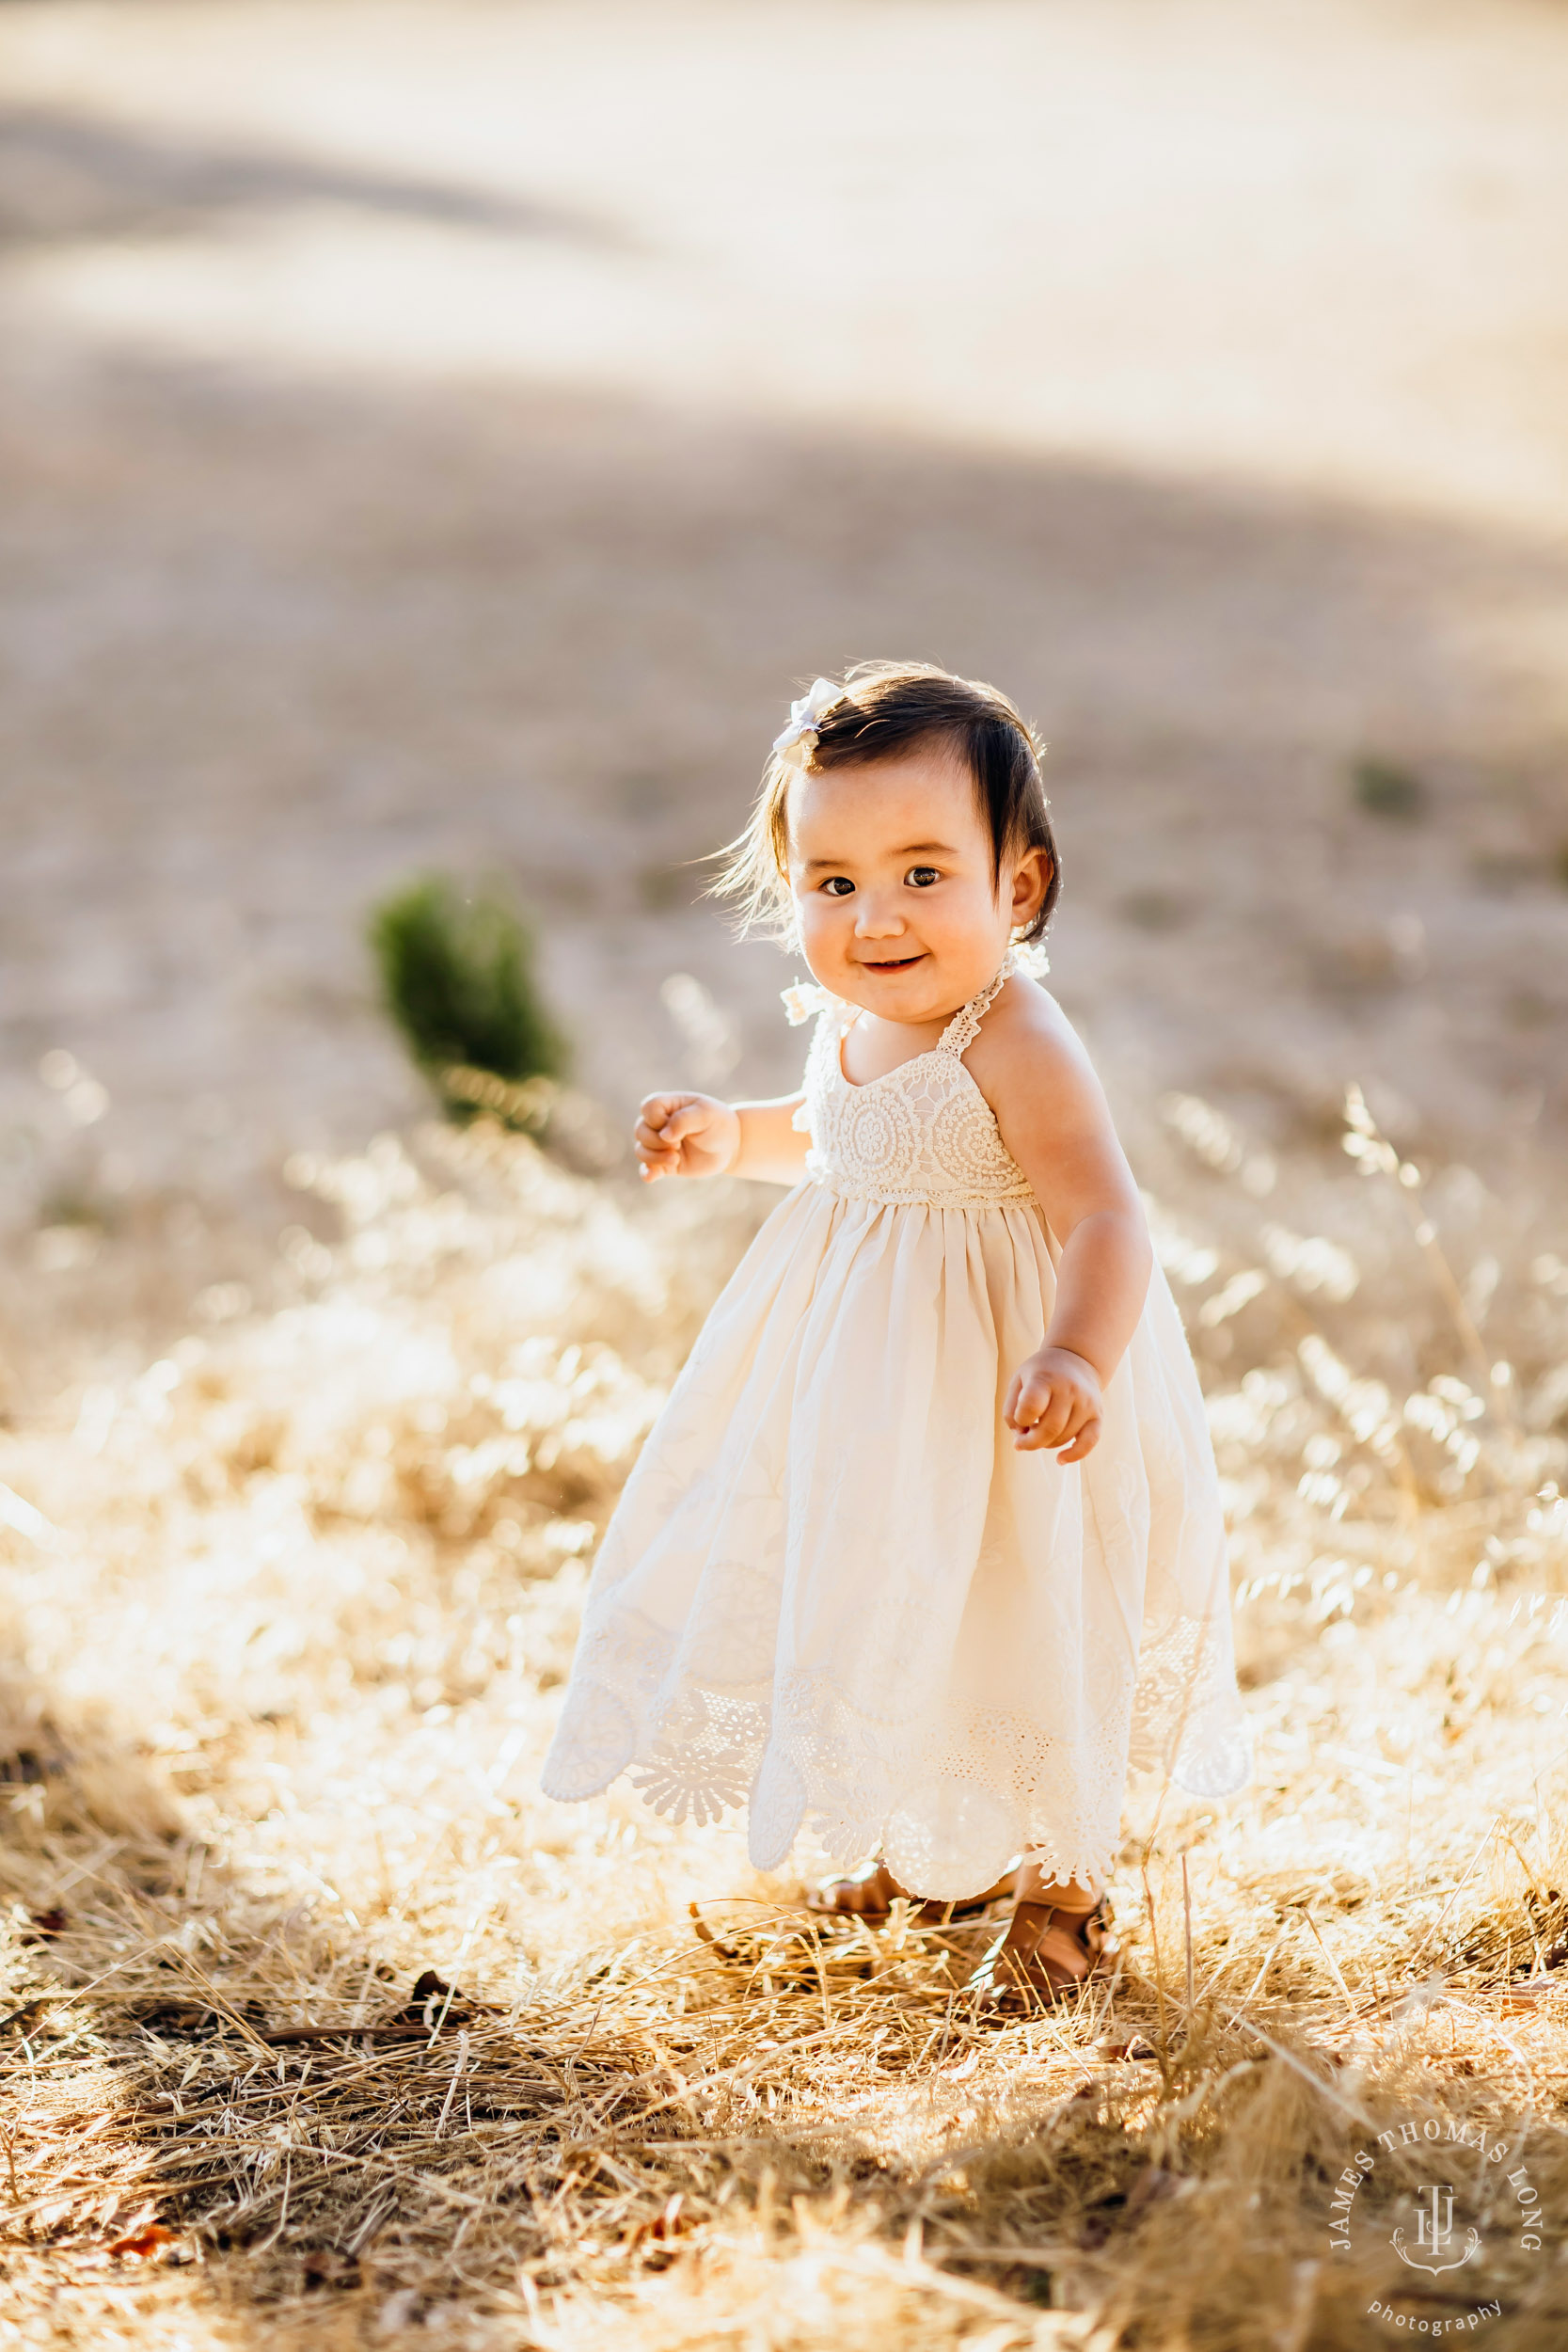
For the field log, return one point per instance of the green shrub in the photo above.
(456, 968)
(1388, 790)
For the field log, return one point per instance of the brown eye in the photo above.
(838, 885)
(923, 876)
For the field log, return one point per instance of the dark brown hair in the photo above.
(884, 707)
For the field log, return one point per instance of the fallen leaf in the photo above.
(144, 2245)
(326, 2267)
(661, 2229)
(669, 2220)
(435, 2001)
(1522, 1997)
(1132, 2047)
(708, 1936)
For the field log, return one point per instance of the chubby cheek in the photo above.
(826, 924)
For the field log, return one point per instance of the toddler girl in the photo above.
(925, 1547)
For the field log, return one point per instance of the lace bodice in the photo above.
(922, 1131)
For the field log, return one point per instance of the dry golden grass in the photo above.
(320, 2024)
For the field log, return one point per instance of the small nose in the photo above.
(877, 917)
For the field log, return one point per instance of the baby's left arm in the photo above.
(1056, 1123)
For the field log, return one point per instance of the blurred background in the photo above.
(436, 439)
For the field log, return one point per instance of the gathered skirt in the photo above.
(835, 1594)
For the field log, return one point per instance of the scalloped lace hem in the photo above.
(949, 1801)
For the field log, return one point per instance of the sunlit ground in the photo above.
(317, 2013)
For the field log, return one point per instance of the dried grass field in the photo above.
(433, 435)
(319, 2023)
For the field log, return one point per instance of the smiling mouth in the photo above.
(900, 964)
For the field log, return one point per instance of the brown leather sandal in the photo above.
(872, 1893)
(1065, 1949)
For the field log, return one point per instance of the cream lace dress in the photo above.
(835, 1593)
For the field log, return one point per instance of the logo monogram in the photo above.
(1437, 2245)
(1434, 2235)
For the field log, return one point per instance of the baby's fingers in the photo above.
(663, 1125)
(673, 1123)
(1040, 1414)
(1084, 1442)
(656, 1156)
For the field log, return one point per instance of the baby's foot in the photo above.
(871, 1893)
(867, 1893)
(1047, 1951)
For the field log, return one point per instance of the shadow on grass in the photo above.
(235, 2121)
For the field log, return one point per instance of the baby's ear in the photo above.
(1032, 878)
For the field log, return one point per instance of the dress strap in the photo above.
(964, 1028)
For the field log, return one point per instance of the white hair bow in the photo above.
(797, 743)
(802, 1000)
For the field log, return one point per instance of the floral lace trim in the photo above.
(950, 1799)
(924, 1133)
(964, 1028)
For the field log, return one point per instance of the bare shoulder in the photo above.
(1027, 1049)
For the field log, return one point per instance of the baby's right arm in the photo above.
(695, 1134)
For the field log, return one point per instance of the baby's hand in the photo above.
(1054, 1400)
(684, 1135)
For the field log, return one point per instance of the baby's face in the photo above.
(891, 871)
